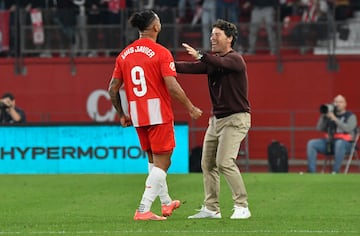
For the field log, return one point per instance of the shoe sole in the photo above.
(206, 217)
(243, 218)
(156, 219)
(149, 216)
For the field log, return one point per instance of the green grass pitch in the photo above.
(281, 204)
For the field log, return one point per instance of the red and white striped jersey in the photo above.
(142, 66)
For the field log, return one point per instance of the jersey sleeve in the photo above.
(167, 64)
(117, 73)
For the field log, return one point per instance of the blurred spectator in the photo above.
(289, 17)
(114, 11)
(313, 10)
(228, 10)
(313, 24)
(355, 5)
(66, 18)
(9, 112)
(287, 9)
(185, 6)
(81, 37)
(4, 28)
(208, 18)
(262, 12)
(343, 12)
(115, 22)
(198, 12)
(93, 9)
(150, 5)
(46, 7)
(15, 9)
(354, 31)
(166, 11)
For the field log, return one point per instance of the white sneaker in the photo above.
(240, 213)
(205, 213)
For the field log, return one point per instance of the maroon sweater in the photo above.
(227, 81)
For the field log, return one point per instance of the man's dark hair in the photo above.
(142, 20)
(228, 28)
(8, 95)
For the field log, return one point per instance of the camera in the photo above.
(325, 108)
(3, 105)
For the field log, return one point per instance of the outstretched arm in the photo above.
(232, 61)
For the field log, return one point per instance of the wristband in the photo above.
(200, 55)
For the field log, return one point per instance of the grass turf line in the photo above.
(281, 204)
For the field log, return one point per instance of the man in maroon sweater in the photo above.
(230, 121)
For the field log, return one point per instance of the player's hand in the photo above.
(195, 112)
(125, 121)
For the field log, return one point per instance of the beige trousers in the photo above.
(220, 150)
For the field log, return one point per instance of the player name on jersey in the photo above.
(142, 49)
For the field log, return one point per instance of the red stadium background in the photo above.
(285, 104)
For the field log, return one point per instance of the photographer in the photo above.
(9, 113)
(339, 126)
